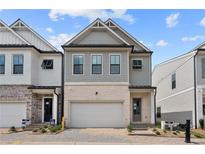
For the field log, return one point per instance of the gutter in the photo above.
(57, 106)
(195, 108)
(155, 117)
(62, 87)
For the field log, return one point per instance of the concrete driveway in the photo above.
(92, 136)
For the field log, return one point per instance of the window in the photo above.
(174, 81)
(115, 64)
(18, 64)
(78, 64)
(203, 109)
(137, 64)
(96, 64)
(47, 64)
(158, 112)
(2, 64)
(203, 67)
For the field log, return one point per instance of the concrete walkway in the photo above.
(92, 136)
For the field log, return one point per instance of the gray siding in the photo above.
(88, 77)
(143, 76)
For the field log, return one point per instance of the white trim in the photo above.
(94, 22)
(12, 64)
(91, 62)
(178, 93)
(115, 54)
(126, 33)
(79, 54)
(43, 107)
(96, 83)
(16, 34)
(38, 35)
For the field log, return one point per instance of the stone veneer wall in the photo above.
(17, 93)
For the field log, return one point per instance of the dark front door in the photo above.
(136, 109)
(47, 109)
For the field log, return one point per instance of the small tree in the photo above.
(201, 122)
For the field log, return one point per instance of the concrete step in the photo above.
(35, 126)
(141, 126)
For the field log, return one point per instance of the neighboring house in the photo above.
(180, 86)
(107, 78)
(30, 76)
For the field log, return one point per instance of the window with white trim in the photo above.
(2, 64)
(115, 64)
(173, 80)
(78, 64)
(18, 64)
(203, 67)
(96, 64)
(137, 64)
(47, 64)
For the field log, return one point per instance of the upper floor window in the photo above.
(174, 81)
(137, 64)
(158, 112)
(203, 67)
(47, 64)
(96, 64)
(18, 64)
(115, 64)
(78, 64)
(2, 64)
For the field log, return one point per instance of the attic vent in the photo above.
(98, 25)
(18, 25)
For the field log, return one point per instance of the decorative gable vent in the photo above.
(1, 25)
(110, 24)
(18, 25)
(98, 25)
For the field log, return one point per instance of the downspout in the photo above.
(195, 104)
(62, 87)
(155, 118)
(57, 105)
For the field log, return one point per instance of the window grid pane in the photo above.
(18, 64)
(96, 64)
(2, 64)
(78, 64)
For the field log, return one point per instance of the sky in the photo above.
(168, 33)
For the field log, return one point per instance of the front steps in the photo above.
(35, 126)
(141, 126)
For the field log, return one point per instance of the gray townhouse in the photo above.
(108, 81)
(180, 86)
(30, 76)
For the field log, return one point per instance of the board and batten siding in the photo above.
(88, 76)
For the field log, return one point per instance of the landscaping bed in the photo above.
(11, 130)
(47, 129)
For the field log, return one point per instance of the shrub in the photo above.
(55, 128)
(154, 129)
(12, 129)
(158, 124)
(174, 133)
(46, 126)
(23, 127)
(43, 130)
(35, 130)
(157, 133)
(164, 131)
(201, 122)
(130, 128)
(177, 131)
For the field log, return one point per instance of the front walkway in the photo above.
(92, 136)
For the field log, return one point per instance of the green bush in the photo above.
(12, 129)
(23, 127)
(55, 128)
(43, 130)
(174, 133)
(35, 130)
(157, 133)
(198, 135)
(154, 129)
(201, 122)
(177, 131)
(46, 126)
(130, 128)
(158, 124)
(164, 131)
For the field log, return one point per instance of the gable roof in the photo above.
(100, 23)
(19, 21)
(114, 24)
(14, 33)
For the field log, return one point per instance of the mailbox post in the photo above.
(187, 133)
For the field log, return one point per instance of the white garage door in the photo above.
(11, 114)
(96, 115)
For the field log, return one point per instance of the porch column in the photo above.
(152, 107)
(55, 101)
(199, 104)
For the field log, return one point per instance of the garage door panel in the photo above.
(96, 115)
(11, 114)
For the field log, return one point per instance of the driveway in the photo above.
(92, 136)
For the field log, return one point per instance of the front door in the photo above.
(48, 102)
(136, 109)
